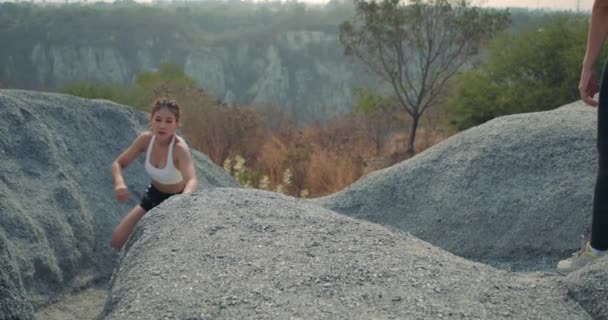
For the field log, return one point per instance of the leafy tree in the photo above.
(168, 81)
(369, 102)
(418, 47)
(534, 70)
(92, 90)
(378, 114)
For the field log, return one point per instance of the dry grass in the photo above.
(321, 158)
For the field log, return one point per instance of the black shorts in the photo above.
(152, 197)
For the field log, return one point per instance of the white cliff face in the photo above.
(41, 63)
(66, 64)
(304, 72)
(273, 85)
(146, 60)
(9, 69)
(207, 69)
(298, 40)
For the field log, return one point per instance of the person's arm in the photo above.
(186, 166)
(124, 159)
(598, 30)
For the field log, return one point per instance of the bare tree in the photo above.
(418, 47)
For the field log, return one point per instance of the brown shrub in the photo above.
(329, 172)
(323, 158)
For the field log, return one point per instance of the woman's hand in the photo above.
(122, 193)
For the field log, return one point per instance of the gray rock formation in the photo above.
(515, 192)
(57, 208)
(233, 253)
(228, 253)
(588, 287)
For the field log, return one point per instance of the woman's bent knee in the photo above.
(123, 231)
(117, 242)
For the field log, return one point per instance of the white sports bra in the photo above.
(167, 175)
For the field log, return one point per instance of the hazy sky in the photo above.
(584, 5)
(551, 4)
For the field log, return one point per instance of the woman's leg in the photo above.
(125, 227)
(599, 226)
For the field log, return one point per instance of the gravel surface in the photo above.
(589, 286)
(515, 192)
(247, 254)
(82, 305)
(57, 207)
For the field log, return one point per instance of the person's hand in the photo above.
(587, 87)
(122, 193)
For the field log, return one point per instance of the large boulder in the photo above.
(229, 253)
(57, 208)
(515, 192)
(589, 286)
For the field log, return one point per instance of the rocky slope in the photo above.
(57, 208)
(244, 254)
(515, 192)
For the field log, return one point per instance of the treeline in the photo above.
(179, 26)
(535, 69)
(175, 25)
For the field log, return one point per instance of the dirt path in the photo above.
(85, 305)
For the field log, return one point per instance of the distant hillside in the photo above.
(276, 54)
(268, 55)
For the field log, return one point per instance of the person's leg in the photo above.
(599, 226)
(591, 250)
(125, 227)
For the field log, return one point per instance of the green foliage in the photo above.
(534, 70)
(249, 178)
(169, 81)
(264, 183)
(236, 167)
(91, 90)
(285, 181)
(417, 46)
(368, 102)
(523, 19)
(120, 25)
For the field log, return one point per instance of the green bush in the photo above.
(169, 81)
(534, 70)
